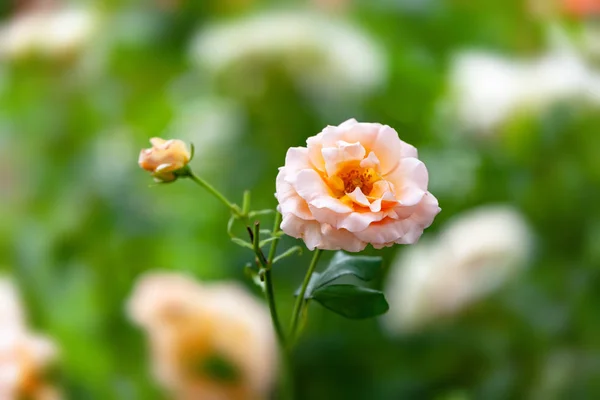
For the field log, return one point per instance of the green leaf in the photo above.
(230, 226)
(192, 151)
(351, 301)
(253, 214)
(363, 267)
(242, 243)
(287, 253)
(265, 241)
(311, 285)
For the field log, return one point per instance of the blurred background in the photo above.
(501, 97)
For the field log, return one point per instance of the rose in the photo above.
(474, 254)
(208, 341)
(25, 356)
(164, 159)
(354, 184)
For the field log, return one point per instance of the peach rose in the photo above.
(25, 356)
(194, 327)
(164, 158)
(354, 184)
(582, 8)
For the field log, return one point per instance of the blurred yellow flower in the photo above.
(354, 184)
(208, 341)
(164, 158)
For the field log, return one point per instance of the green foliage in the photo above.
(348, 300)
(363, 267)
(351, 301)
(79, 222)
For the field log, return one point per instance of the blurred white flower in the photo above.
(24, 356)
(208, 341)
(11, 314)
(212, 124)
(325, 54)
(488, 89)
(474, 254)
(51, 33)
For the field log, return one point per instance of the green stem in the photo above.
(213, 191)
(274, 243)
(286, 383)
(300, 301)
(270, 295)
(269, 292)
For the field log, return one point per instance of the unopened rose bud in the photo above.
(165, 158)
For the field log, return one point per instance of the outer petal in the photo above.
(289, 201)
(322, 236)
(403, 231)
(297, 159)
(390, 149)
(340, 239)
(309, 184)
(411, 178)
(309, 231)
(351, 132)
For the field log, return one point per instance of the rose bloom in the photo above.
(582, 8)
(475, 254)
(24, 356)
(208, 341)
(354, 184)
(164, 158)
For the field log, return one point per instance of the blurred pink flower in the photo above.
(208, 341)
(582, 8)
(354, 184)
(164, 158)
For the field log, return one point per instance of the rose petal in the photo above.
(390, 149)
(411, 178)
(359, 198)
(370, 162)
(322, 236)
(365, 133)
(289, 201)
(308, 184)
(297, 158)
(403, 231)
(341, 153)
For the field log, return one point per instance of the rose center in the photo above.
(353, 177)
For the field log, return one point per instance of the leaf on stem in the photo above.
(230, 226)
(253, 214)
(363, 267)
(287, 253)
(351, 301)
(265, 241)
(242, 243)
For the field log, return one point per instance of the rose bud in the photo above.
(164, 159)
